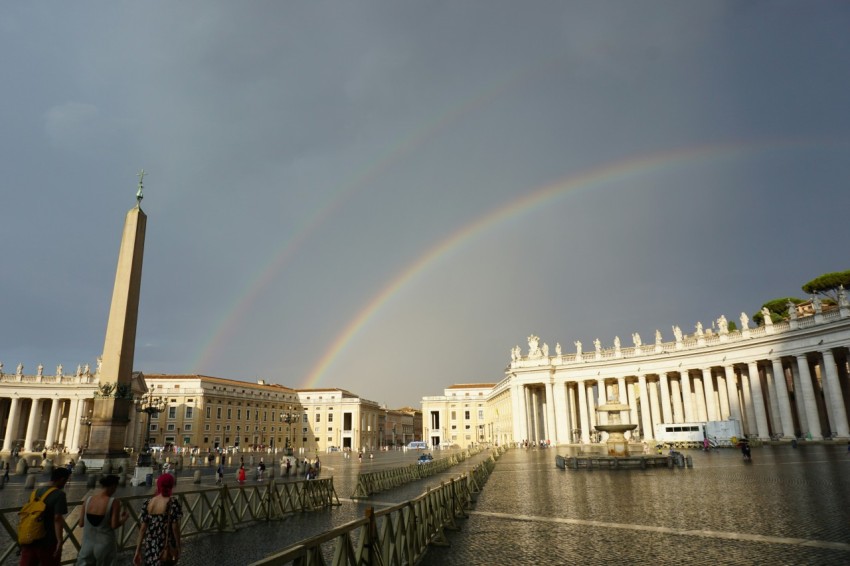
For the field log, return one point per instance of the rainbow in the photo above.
(598, 176)
(223, 329)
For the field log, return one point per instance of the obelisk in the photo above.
(114, 402)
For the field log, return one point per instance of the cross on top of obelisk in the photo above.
(139, 195)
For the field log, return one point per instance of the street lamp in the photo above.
(85, 420)
(150, 404)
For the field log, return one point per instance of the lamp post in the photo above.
(150, 404)
(85, 420)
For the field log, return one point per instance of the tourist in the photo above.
(220, 473)
(6, 471)
(288, 466)
(241, 474)
(159, 524)
(261, 469)
(100, 517)
(47, 551)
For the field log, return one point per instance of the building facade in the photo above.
(458, 416)
(783, 380)
(340, 419)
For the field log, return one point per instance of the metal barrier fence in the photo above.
(374, 482)
(396, 535)
(204, 511)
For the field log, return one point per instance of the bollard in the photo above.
(22, 467)
(29, 483)
(107, 467)
(80, 469)
(91, 481)
(670, 462)
(47, 467)
(197, 477)
(689, 462)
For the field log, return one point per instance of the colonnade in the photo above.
(800, 395)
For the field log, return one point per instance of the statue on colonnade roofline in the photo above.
(598, 345)
(40, 370)
(545, 350)
(79, 370)
(677, 332)
(533, 348)
(792, 313)
(842, 296)
(745, 321)
(816, 304)
(1, 369)
(699, 329)
(20, 369)
(636, 340)
(578, 349)
(723, 324)
(87, 370)
(513, 354)
(59, 370)
(657, 337)
(617, 343)
(558, 349)
(100, 363)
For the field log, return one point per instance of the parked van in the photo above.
(417, 445)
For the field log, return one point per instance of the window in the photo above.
(187, 427)
(466, 415)
(467, 427)
(304, 418)
(229, 413)
(217, 427)
(209, 412)
(169, 427)
(172, 412)
(318, 417)
(304, 431)
(189, 411)
(330, 429)
(330, 416)
(238, 414)
(454, 415)
(480, 414)
(218, 412)
(154, 426)
(207, 427)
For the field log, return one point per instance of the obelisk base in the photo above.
(108, 429)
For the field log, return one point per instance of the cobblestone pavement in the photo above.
(786, 507)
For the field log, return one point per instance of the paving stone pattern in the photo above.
(786, 507)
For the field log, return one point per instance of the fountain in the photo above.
(618, 446)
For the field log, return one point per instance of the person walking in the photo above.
(47, 551)
(241, 474)
(100, 517)
(159, 524)
(220, 473)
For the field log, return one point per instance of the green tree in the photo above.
(827, 284)
(778, 309)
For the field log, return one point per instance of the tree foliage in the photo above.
(828, 284)
(778, 309)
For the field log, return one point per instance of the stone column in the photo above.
(50, 438)
(572, 395)
(518, 417)
(758, 401)
(551, 428)
(781, 387)
(747, 409)
(78, 409)
(529, 414)
(645, 411)
(773, 404)
(688, 398)
(652, 386)
(562, 414)
(836, 398)
(723, 395)
(799, 399)
(710, 405)
(676, 394)
(699, 397)
(732, 394)
(812, 415)
(35, 411)
(583, 405)
(663, 384)
(633, 409)
(601, 416)
(12, 424)
(591, 409)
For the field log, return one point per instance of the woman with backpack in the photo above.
(159, 526)
(100, 517)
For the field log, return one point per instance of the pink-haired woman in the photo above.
(159, 524)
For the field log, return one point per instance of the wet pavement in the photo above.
(789, 506)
